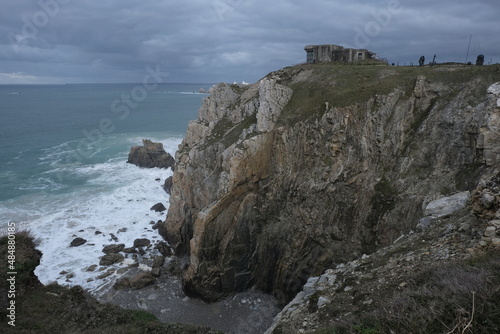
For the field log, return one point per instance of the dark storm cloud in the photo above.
(227, 40)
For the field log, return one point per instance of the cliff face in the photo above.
(317, 165)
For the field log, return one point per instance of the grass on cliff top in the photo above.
(344, 85)
(55, 309)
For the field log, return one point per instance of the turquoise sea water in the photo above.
(63, 171)
(46, 127)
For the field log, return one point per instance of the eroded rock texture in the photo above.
(312, 166)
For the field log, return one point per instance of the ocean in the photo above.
(63, 170)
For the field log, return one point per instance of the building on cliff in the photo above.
(330, 52)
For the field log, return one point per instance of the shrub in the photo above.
(453, 298)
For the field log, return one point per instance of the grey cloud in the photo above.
(227, 40)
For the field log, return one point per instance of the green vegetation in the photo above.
(228, 133)
(56, 309)
(345, 85)
(458, 297)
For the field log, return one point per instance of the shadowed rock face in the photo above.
(274, 185)
(150, 155)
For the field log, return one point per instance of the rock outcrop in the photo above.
(385, 285)
(150, 155)
(312, 166)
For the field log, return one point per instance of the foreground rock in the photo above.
(110, 259)
(136, 281)
(142, 242)
(445, 206)
(116, 248)
(150, 155)
(279, 181)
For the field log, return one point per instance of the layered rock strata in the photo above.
(312, 166)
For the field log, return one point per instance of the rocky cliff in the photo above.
(317, 165)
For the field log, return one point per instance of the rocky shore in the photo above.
(147, 276)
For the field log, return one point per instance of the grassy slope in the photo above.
(345, 85)
(458, 297)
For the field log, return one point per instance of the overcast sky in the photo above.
(206, 41)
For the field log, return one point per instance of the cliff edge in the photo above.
(316, 165)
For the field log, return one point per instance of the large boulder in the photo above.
(110, 259)
(447, 205)
(137, 281)
(150, 155)
(115, 248)
(142, 242)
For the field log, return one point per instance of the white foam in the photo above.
(116, 195)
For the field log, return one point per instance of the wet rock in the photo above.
(108, 273)
(110, 259)
(77, 242)
(150, 155)
(91, 268)
(116, 248)
(129, 250)
(134, 282)
(164, 248)
(122, 271)
(158, 207)
(142, 242)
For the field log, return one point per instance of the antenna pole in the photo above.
(468, 48)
